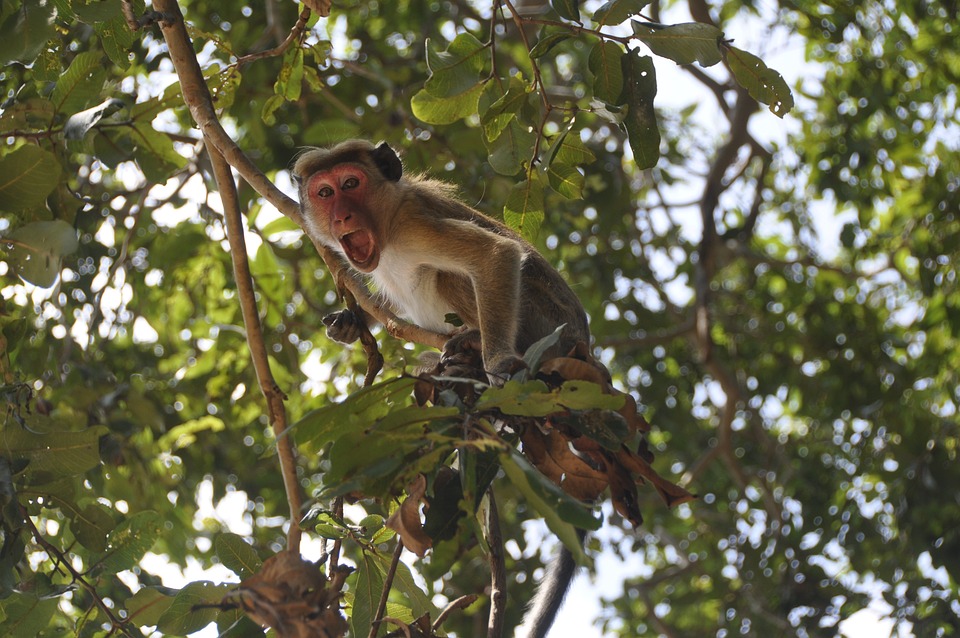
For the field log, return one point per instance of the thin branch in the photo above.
(338, 543)
(61, 558)
(498, 570)
(460, 603)
(295, 35)
(385, 594)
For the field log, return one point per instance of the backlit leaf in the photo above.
(764, 84)
(683, 43)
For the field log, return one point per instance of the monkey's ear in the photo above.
(297, 179)
(387, 161)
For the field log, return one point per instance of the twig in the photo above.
(498, 570)
(367, 340)
(61, 558)
(296, 33)
(460, 603)
(385, 594)
(338, 543)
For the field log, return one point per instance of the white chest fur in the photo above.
(411, 287)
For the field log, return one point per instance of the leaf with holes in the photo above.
(764, 84)
(683, 43)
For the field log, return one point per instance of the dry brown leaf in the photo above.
(291, 596)
(320, 7)
(550, 452)
(582, 467)
(405, 521)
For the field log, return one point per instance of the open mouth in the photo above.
(359, 246)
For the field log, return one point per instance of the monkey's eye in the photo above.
(325, 192)
(350, 182)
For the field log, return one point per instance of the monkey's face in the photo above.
(338, 211)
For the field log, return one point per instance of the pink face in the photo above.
(338, 203)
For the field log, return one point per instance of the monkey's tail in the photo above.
(550, 594)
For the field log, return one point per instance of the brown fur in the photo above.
(435, 255)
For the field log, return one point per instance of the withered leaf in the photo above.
(291, 596)
(405, 521)
(320, 7)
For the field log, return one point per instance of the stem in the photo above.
(62, 559)
(498, 570)
(385, 594)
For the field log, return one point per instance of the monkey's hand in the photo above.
(465, 350)
(343, 326)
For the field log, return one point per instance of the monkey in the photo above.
(430, 255)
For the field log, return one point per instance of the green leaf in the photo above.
(570, 149)
(360, 409)
(192, 609)
(80, 83)
(290, 79)
(617, 11)
(567, 9)
(533, 398)
(279, 225)
(25, 614)
(639, 90)
(24, 34)
(524, 210)
(404, 583)
(154, 152)
(27, 175)
(456, 70)
(39, 248)
(764, 84)
(58, 453)
(377, 436)
(504, 108)
(369, 585)
(36, 113)
(436, 110)
(547, 42)
(512, 149)
(147, 606)
(604, 63)
(185, 434)
(561, 512)
(237, 555)
(116, 37)
(91, 526)
(566, 180)
(130, 541)
(684, 43)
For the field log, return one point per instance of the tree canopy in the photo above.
(758, 205)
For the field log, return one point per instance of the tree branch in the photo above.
(498, 570)
(197, 97)
(258, 351)
(61, 558)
